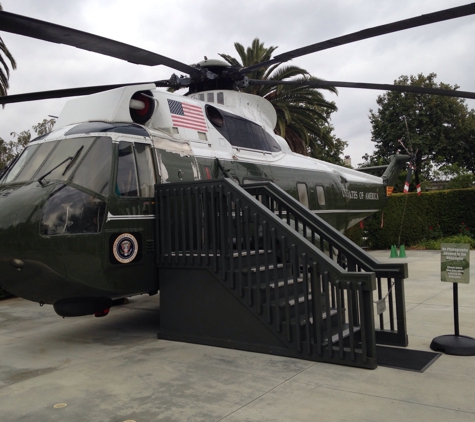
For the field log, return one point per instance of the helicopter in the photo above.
(77, 207)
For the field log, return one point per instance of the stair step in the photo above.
(301, 299)
(303, 321)
(252, 253)
(281, 283)
(345, 332)
(187, 254)
(262, 268)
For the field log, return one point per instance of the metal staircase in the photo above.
(251, 268)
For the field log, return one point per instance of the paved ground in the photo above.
(114, 368)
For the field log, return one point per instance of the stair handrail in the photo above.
(328, 264)
(312, 220)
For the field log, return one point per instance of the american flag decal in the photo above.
(187, 115)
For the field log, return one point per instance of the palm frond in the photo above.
(301, 110)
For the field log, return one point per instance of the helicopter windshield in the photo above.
(89, 165)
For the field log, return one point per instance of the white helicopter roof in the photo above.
(114, 106)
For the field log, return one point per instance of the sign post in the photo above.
(455, 269)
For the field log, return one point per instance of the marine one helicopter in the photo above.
(77, 205)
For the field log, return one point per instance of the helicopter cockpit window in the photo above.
(19, 165)
(69, 152)
(70, 211)
(94, 170)
(38, 158)
(85, 161)
(241, 132)
(135, 171)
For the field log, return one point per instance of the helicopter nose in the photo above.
(20, 249)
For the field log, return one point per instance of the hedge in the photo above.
(409, 219)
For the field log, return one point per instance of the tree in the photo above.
(441, 129)
(327, 151)
(4, 70)
(10, 149)
(44, 127)
(302, 112)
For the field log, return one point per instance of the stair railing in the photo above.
(390, 277)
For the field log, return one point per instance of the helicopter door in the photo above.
(176, 161)
(130, 227)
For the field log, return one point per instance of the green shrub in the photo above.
(410, 219)
(434, 244)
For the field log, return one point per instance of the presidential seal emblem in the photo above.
(125, 248)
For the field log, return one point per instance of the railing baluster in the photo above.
(214, 227)
(181, 200)
(176, 227)
(190, 220)
(340, 310)
(390, 304)
(199, 221)
(224, 253)
(206, 230)
(247, 240)
(380, 296)
(257, 262)
(326, 291)
(275, 280)
(163, 233)
(230, 236)
(317, 309)
(266, 241)
(351, 322)
(294, 253)
(239, 246)
(307, 305)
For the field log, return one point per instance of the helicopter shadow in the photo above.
(125, 325)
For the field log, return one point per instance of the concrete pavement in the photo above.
(115, 369)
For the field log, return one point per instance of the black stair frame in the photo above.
(216, 232)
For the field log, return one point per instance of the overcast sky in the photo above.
(188, 30)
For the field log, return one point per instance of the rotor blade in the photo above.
(69, 92)
(364, 85)
(376, 31)
(34, 28)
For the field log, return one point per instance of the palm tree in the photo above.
(301, 110)
(4, 71)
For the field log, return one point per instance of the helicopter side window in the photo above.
(94, 171)
(126, 171)
(320, 195)
(146, 170)
(135, 170)
(241, 132)
(303, 193)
